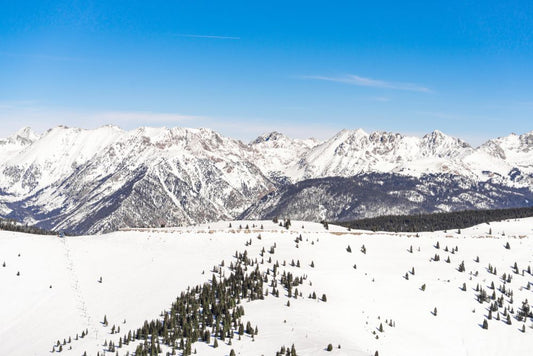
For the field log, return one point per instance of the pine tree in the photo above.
(485, 324)
(329, 348)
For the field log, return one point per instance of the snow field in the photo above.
(143, 272)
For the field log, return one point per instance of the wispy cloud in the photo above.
(14, 115)
(210, 36)
(17, 114)
(249, 129)
(368, 82)
(139, 117)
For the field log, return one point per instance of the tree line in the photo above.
(12, 225)
(437, 221)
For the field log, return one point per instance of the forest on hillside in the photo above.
(12, 225)
(437, 221)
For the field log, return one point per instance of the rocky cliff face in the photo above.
(90, 181)
(373, 194)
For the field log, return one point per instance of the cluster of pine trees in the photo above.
(12, 225)
(286, 351)
(437, 221)
(202, 313)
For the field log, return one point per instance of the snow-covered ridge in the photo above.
(65, 175)
(59, 150)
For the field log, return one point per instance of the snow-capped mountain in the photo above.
(89, 181)
(354, 152)
(98, 180)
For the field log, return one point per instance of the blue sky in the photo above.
(244, 68)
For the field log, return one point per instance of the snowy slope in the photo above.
(376, 194)
(353, 152)
(143, 271)
(99, 180)
(90, 181)
(277, 154)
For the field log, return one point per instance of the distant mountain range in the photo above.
(91, 181)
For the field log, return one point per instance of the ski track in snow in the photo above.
(80, 301)
(145, 269)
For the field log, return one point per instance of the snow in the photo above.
(43, 174)
(55, 154)
(144, 270)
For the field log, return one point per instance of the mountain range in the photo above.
(92, 181)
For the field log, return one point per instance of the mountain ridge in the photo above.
(97, 180)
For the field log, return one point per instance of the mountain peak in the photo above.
(437, 137)
(26, 133)
(271, 136)
(436, 134)
(346, 133)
